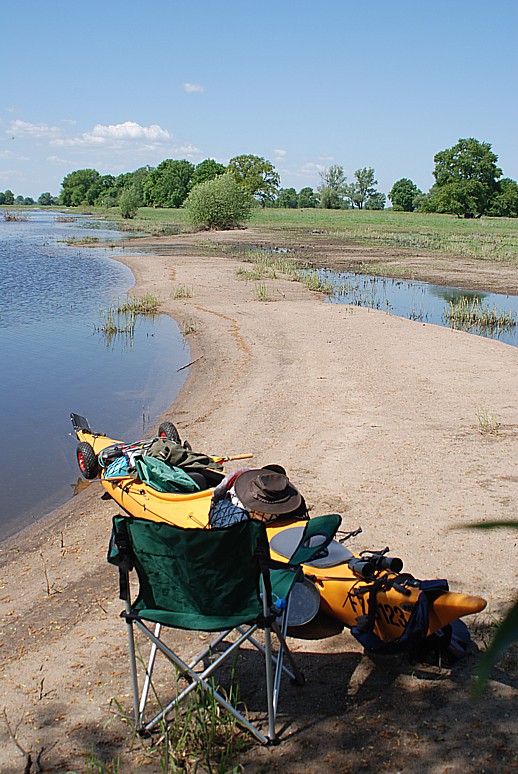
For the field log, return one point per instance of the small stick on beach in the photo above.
(189, 364)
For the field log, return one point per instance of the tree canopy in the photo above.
(287, 198)
(256, 176)
(168, 184)
(332, 189)
(207, 170)
(403, 195)
(468, 183)
(466, 179)
(362, 190)
(80, 187)
(308, 198)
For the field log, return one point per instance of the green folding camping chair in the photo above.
(218, 580)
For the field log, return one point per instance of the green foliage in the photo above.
(46, 199)
(168, 184)
(256, 176)
(206, 170)
(7, 197)
(80, 187)
(133, 180)
(376, 201)
(287, 198)
(505, 201)
(362, 188)
(308, 198)
(403, 195)
(464, 198)
(466, 178)
(129, 202)
(219, 203)
(333, 187)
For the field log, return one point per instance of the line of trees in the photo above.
(468, 183)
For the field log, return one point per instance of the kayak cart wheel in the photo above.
(87, 460)
(168, 430)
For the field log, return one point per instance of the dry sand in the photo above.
(374, 417)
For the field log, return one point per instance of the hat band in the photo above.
(273, 499)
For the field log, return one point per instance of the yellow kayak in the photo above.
(345, 594)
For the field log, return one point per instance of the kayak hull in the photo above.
(342, 595)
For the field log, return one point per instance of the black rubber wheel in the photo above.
(87, 460)
(168, 430)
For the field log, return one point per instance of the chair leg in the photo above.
(149, 673)
(272, 709)
(133, 669)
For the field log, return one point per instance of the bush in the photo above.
(129, 202)
(218, 203)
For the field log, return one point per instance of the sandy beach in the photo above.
(375, 418)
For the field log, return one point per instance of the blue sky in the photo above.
(116, 85)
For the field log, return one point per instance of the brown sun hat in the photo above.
(267, 491)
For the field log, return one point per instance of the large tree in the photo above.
(134, 180)
(332, 188)
(287, 198)
(466, 179)
(207, 169)
(362, 188)
(168, 184)
(505, 202)
(308, 198)
(403, 195)
(256, 176)
(80, 187)
(46, 199)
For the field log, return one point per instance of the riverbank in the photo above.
(374, 417)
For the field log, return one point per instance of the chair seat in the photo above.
(286, 542)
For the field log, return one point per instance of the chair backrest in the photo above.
(318, 534)
(202, 579)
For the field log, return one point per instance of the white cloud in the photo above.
(280, 153)
(33, 130)
(129, 130)
(114, 134)
(193, 88)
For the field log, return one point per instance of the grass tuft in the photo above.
(261, 292)
(181, 291)
(469, 314)
(488, 423)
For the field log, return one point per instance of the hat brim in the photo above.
(241, 487)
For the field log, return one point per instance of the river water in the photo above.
(419, 301)
(54, 361)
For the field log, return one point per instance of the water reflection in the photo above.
(55, 362)
(496, 314)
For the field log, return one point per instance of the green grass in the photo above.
(488, 238)
(144, 305)
(468, 313)
(181, 291)
(261, 292)
(493, 239)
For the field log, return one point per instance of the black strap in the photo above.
(125, 562)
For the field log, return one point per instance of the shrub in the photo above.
(218, 203)
(129, 202)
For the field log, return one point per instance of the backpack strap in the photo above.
(417, 627)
